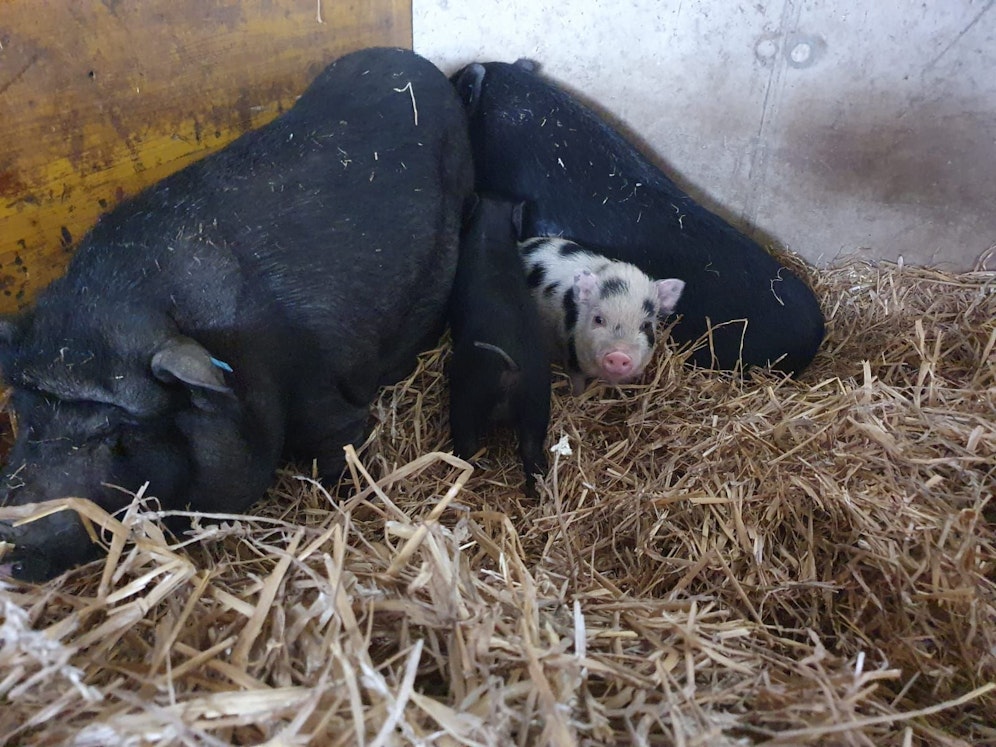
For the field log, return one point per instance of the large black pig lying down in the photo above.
(583, 181)
(244, 309)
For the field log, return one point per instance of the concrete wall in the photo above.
(831, 128)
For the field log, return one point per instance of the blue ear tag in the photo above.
(222, 365)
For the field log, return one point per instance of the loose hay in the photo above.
(716, 561)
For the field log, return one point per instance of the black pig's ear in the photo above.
(468, 84)
(11, 334)
(519, 219)
(10, 329)
(183, 359)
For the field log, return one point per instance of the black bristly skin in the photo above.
(570, 310)
(614, 287)
(243, 310)
(649, 332)
(536, 277)
(568, 249)
(573, 366)
(610, 198)
(530, 245)
(649, 327)
(491, 304)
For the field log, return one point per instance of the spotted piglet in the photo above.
(600, 316)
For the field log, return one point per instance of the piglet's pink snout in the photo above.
(617, 365)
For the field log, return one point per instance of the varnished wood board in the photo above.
(100, 99)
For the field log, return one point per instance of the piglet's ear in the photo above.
(185, 360)
(668, 293)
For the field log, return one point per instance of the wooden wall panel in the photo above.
(100, 99)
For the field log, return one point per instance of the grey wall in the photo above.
(831, 128)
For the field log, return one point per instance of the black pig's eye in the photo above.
(115, 441)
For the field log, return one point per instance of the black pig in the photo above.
(583, 181)
(244, 309)
(500, 366)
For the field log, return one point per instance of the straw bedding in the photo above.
(711, 561)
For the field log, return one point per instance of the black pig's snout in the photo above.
(43, 548)
(20, 561)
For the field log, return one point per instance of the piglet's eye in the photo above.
(598, 320)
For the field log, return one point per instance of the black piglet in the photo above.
(500, 369)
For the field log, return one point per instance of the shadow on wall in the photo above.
(936, 157)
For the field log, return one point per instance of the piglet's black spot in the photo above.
(614, 287)
(572, 355)
(536, 276)
(570, 310)
(550, 289)
(648, 307)
(568, 248)
(529, 247)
